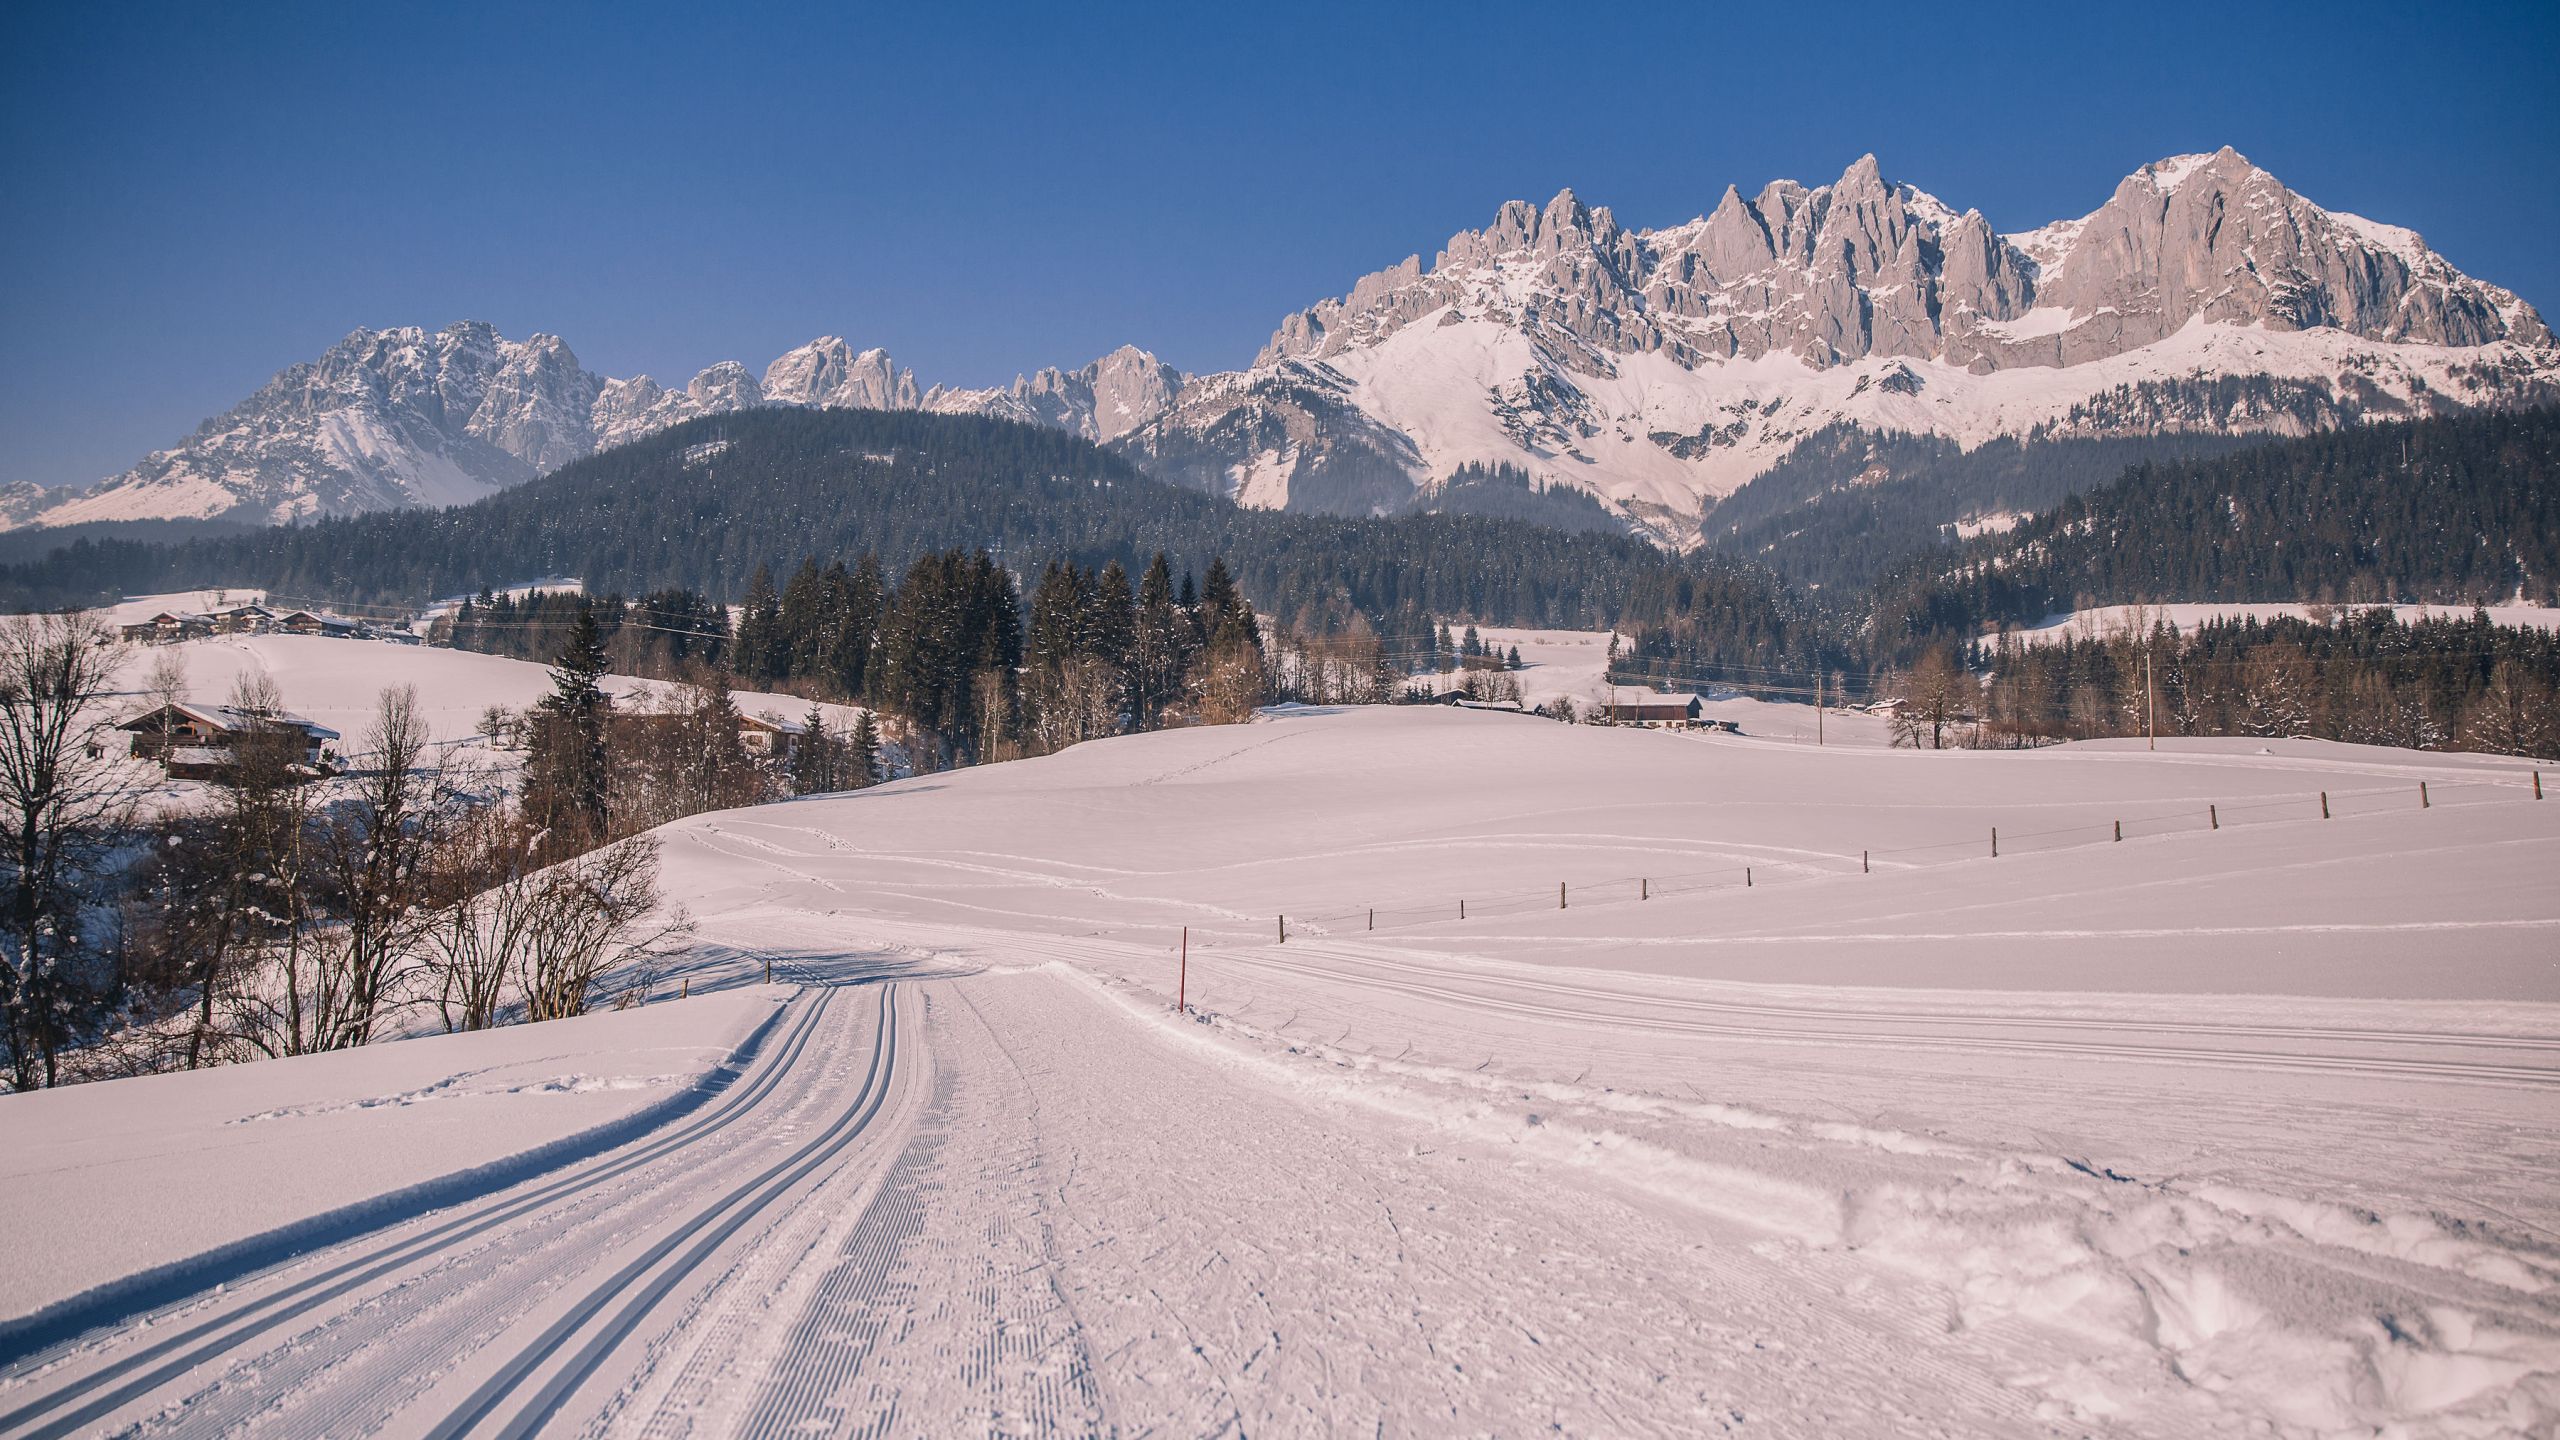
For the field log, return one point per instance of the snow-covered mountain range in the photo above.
(1657, 369)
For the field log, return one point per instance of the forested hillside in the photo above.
(1850, 503)
(701, 506)
(2460, 510)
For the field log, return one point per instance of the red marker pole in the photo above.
(1182, 987)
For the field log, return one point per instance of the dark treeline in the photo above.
(967, 670)
(2458, 683)
(1850, 503)
(665, 633)
(2456, 511)
(1508, 493)
(701, 506)
(961, 663)
(2459, 510)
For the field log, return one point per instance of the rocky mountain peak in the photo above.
(1657, 369)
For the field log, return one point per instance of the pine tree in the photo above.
(1163, 650)
(863, 598)
(862, 753)
(566, 775)
(806, 621)
(1111, 619)
(763, 650)
(722, 774)
(817, 759)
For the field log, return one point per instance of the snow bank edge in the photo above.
(126, 1298)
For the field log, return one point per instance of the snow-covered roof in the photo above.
(232, 720)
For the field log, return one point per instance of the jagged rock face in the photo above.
(1104, 400)
(1864, 267)
(2218, 238)
(1657, 369)
(828, 372)
(384, 418)
(1661, 369)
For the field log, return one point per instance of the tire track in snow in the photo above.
(235, 1325)
(596, 1325)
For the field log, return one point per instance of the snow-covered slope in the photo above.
(2235, 1131)
(1657, 369)
(262, 1149)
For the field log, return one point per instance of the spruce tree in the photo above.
(1163, 650)
(863, 598)
(817, 759)
(806, 621)
(1111, 620)
(763, 649)
(566, 776)
(862, 753)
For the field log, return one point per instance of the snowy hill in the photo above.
(1793, 1109)
(339, 683)
(1657, 369)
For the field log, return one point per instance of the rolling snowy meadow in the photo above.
(1751, 1093)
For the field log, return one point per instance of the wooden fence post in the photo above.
(1644, 889)
(1559, 894)
(1995, 842)
(2422, 795)
(1182, 985)
(2119, 832)
(1746, 877)
(1865, 865)
(1373, 917)
(2213, 815)
(1284, 929)
(1462, 909)
(2324, 804)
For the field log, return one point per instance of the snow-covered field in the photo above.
(1574, 665)
(2107, 620)
(1792, 1111)
(339, 683)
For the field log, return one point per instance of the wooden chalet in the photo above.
(196, 742)
(166, 626)
(243, 620)
(1657, 712)
(769, 738)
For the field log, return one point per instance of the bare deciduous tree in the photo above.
(589, 915)
(61, 796)
(375, 850)
(1934, 696)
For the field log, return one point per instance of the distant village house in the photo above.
(197, 742)
(1661, 712)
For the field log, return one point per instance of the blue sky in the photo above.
(198, 197)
